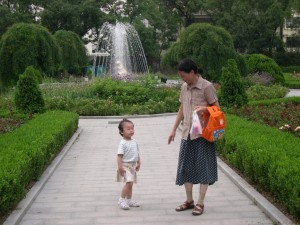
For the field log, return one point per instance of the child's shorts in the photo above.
(130, 173)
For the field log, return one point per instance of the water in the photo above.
(119, 52)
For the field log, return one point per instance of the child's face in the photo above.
(128, 130)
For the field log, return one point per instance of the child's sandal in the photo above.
(186, 205)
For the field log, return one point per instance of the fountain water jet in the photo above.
(119, 52)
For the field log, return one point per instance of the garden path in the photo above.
(79, 188)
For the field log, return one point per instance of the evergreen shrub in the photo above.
(257, 63)
(28, 96)
(233, 93)
(268, 156)
(23, 161)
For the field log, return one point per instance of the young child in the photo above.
(128, 163)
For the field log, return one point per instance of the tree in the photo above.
(73, 51)
(252, 24)
(28, 96)
(8, 18)
(233, 93)
(24, 45)
(185, 8)
(79, 17)
(209, 46)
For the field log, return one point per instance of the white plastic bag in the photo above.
(196, 127)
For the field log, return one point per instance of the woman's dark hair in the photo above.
(187, 65)
(121, 124)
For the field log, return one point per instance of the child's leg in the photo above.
(127, 190)
(129, 195)
(125, 193)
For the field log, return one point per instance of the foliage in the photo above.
(79, 17)
(233, 91)
(8, 18)
(28, 96)
(269, 157)
(186, 9)
(252, 24)
(23, 161)
(261, 63)
(73, 52)
(209, 46)
(261, 92)
(26, 45)
(292, 80)
(112, 97)
(288, 59)
(274, 113)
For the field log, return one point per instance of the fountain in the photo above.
(119, 52)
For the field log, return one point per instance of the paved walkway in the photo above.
(293, 92)
(79, 188)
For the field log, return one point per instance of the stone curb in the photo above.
(268, 208)
(16, 216)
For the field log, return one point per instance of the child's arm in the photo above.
(138, 164)
(120, 165)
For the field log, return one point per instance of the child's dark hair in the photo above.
(187, 65)
(121, 124)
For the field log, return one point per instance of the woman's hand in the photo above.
(171, 137)
(200, 110)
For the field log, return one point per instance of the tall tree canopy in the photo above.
(209, 46)
(26, 45)
(253, 24)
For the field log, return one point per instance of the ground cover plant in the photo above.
(103, 97)
(283, 114)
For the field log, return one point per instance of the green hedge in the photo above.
(25, 152)
(269, 157)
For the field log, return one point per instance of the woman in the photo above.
(197, 162)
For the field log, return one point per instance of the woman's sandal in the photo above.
(186, 205)
(198, 210)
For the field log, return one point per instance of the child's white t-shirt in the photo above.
(129, 149)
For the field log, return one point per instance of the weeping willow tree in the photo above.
(74, 55)
(209, 46)
(24, 45)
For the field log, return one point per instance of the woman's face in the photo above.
(187, 77)
(128, 130)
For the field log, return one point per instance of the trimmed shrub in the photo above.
(257, 63)
(232, 92)
(24, 160)
(268, 156)
(261, 92)
(28, 96)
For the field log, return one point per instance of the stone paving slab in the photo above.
(79, 187)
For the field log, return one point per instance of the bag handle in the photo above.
(210, 110)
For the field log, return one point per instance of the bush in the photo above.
(267, 156)
(232, 89)
(28, 96)
(261, 92)
(24, 160)
(257, 63)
